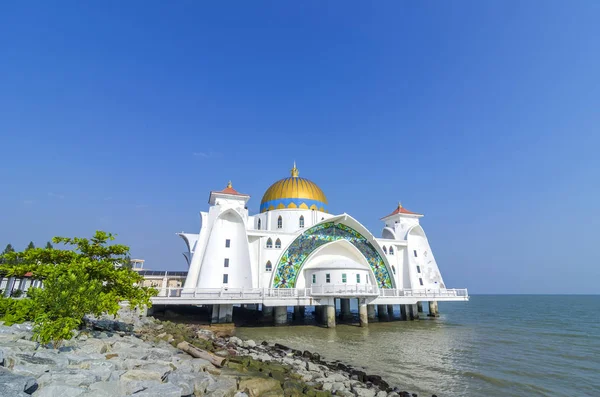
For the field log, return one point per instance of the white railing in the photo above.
(314, 291)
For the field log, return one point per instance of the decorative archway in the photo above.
(295, 255)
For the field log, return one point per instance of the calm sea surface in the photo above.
(491, 346)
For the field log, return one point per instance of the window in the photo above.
(269, 267)
(259, 224)
(279, 222)
(314, 278)
(394, 269)
(301, 221)
(278, 243)
(415, 252)
(344, 278)
(421, 281)
(225, 278)
(269, 243)
(227, 243)
(418, 269)
(358, 279)
(385, 249)
(391, 250)
(226, 262)
(328, 278)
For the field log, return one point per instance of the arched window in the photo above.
(269, 267)
(391, 250)
(278, 243)
(385, 249)
(394, 269)
(279, 222)
(301, 221)
(259, 224)
(269, 243)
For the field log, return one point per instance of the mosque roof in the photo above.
(401, 210)
(230, 190)
(294, 192)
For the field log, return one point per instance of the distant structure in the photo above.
(295, 253)
(137, 264)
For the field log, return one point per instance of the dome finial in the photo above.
(399, 204)
(229, 184)
(295, 171)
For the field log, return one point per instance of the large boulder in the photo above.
(162, 390)
(222, 388)
(136, 374)
(60, 390)
(13, 384)
(255, 387)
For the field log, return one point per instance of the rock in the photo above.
(183, 380)
(250, 343)
(292, 389)
(256, 387)
(381, 394)
(60, 390)
(162, 390)
(222, 388)
(240, 394)
(338, 386)
(237, 341)
(361, 392)
(68, 377)
(13, 384)
(136, 374)
(194, 365)
(327, 386)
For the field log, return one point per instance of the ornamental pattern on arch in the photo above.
(293, 258)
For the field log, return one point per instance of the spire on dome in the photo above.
(295, 171)
(229, 184)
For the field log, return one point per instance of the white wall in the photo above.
(429, 272)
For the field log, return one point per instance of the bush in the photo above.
(77, 282)
(16, 293)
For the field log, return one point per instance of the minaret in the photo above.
(398, 222)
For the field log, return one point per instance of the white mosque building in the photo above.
(296, 253)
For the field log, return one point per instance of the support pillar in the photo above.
(214, 314)
(420, 307)
(297, 315)
(267, 312)
(413, 312)
(330, 316)
(390, 310)
(362, 313)
(403, 315)
(225, 313)
(302, 311)
(382, 312)
(433, 309)
(345, 309)
(319, 314)
(280, 315)
(371, 312)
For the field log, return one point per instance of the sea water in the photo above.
(505, 345)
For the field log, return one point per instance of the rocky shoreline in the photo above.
(138, 356)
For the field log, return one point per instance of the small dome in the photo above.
(294, 192)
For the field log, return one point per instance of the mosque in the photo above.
(296, 253)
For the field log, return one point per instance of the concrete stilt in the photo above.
(433, 309)
(345, 309)
(362, 314)
(297, 313)
(225, 313)
(318, 314)
(420, 307)
(390, 310)
(267, 312)
(229, 314)
(382, 312)
(330, 316)
(214, 314)
(280, 315)
(414, 312)
(371, 312)
(403, 315)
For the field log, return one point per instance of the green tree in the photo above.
(9, 248)
(30, 246)
(81, 280)
(49, 245)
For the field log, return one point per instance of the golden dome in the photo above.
(294, 192)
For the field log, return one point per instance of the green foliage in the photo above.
(78, 281)
(30, 246)
(49, 245)
(16, 293)
(15, 311)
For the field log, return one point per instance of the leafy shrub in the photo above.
(80, 281)
(16, 293)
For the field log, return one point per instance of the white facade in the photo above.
(298, 247)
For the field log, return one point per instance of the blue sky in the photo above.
(483, 115)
